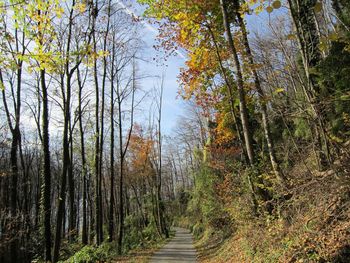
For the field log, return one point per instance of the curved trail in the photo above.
(179, 249)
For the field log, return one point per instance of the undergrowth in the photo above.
(310, 222)
(107, 251)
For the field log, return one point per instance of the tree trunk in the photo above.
(303, 18)
(262, 98)
(111, 198)
(84, 238)
(98, 207)
(66, 163)
(47, 169)
(244, 116)
(72, 207)
(16, 134)
(16, 138)
(122, 152)
(231, 98)
(240, 86)
(121, 183)
(66, 93)
(160, 205)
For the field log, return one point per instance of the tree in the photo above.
(308, 39)
(13, 120)
(68, 73)
(123, 147)
(160, 204)
(240, 85)
(41, 13)
(262, 97)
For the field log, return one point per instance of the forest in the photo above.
(257, 167)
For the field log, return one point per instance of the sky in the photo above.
(173, 107)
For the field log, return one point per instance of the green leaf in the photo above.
(345, 97)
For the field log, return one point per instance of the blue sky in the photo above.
(173, 107)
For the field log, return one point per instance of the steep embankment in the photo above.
(312, 224)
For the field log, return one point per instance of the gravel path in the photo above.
(179, 249)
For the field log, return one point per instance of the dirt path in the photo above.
(179, 249)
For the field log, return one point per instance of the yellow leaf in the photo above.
(279, 90)
(276, 4)
(81, 7)
(259, 9)
(2, 86)
(59, 11)
(333, 36)
(291, 37)
(323, 46)
(318, 7)
(102, 53)
(252, 2)
(244, 8)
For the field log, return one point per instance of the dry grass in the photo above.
(137, 256)
(142, 255)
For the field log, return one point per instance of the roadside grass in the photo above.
(143, 255)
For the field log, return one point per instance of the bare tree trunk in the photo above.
(303, 18)
(160, 205)
(111, 198)
(244, 116)
(15, 132)
(100, 170)
(98, 207)
(71, 188)
(240, 86)
(67, 162)
(262, 98)
(47, 169)
(83, 160)
(62, 195)
(122, 152)
(121, 176)
(16, 136)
